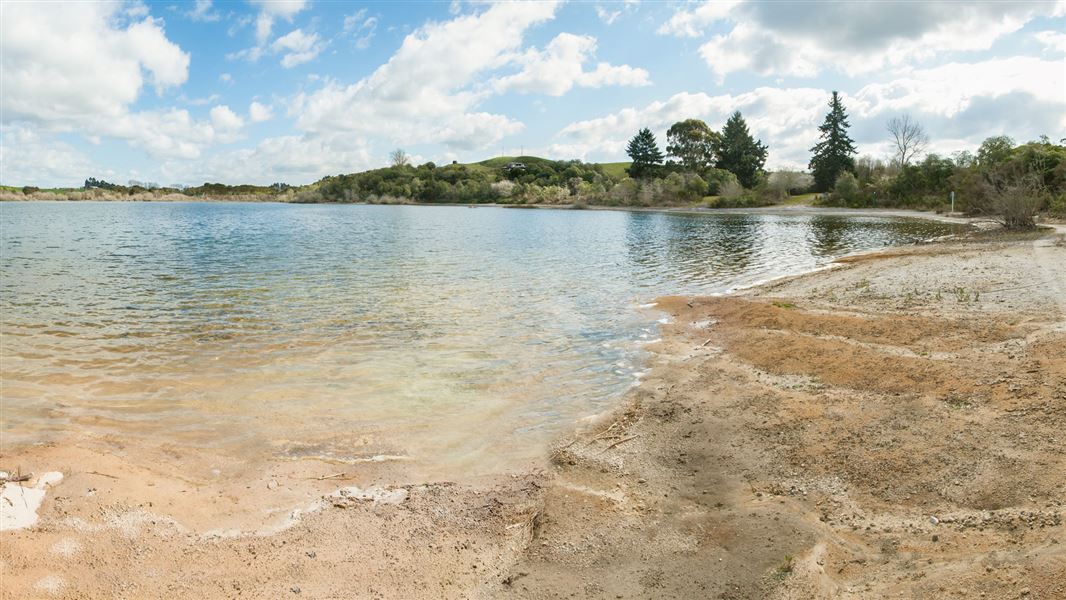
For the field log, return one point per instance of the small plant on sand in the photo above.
(785, 568)
(958, 402)
(785, 305)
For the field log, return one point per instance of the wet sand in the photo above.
(892, 427)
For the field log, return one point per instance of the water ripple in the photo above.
(442, 330)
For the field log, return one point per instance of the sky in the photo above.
(263, 91)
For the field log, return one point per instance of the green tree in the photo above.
(644, 151)
(994, 150)
(692, 141)
(835, 153)
(740, 153)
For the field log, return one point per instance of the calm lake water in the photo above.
(452, 336)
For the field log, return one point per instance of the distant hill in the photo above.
(615, 169)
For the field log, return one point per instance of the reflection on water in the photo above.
(449, 335)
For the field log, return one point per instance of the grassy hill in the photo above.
(614, 169)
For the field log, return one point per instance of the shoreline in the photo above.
(586, 521)
(803, 209)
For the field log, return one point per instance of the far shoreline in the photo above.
(775, 210)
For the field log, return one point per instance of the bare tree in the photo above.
(399, 158)
(909, 136)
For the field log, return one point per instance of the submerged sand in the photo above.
(892, 427)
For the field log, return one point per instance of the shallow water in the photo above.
(457, 338)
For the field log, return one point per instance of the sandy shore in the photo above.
(892, 427)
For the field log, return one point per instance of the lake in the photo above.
(452, 337)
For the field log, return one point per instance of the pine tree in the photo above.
(740, 153)
(645, 153)
(835, 153)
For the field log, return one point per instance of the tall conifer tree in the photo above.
(835, 153)
(740, 153)
(644, 151)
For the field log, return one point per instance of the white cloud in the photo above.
(62, 62)
(224, 119)
(29, 159)
(269, 10)
(361, 27)
(298, 47)
(784, 117)
(560, 66)
(225, 78)
(136, 9)
(426, 92)
(1052, 41)
(257, 113)
(801, 38)
(950, 89)
(201, 11)
(80, 67)
(960, 104)
(292, 159)
(607, 16)
(691, 23)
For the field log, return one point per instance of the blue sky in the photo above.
(187, 92)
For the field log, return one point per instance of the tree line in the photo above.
(700, 166)
(1006, 181)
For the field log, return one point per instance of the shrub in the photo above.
(847, 189)
(731, 190)
(1015, 203)
(716, 179)
(503, 189)
(1057, 204)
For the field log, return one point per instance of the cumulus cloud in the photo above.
(29, 158)
(224, 119)
(294, 159)
(430, 89)
(257, 113)
(298, 47)
(80, 67)
(960, 104)
(1052, 41)
(782, 117)
(426, 92)
(561, 66)
(67, 61)
(800, 38)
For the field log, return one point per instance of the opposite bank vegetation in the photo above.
(701, 167)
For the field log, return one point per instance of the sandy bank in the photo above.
(889, 428)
